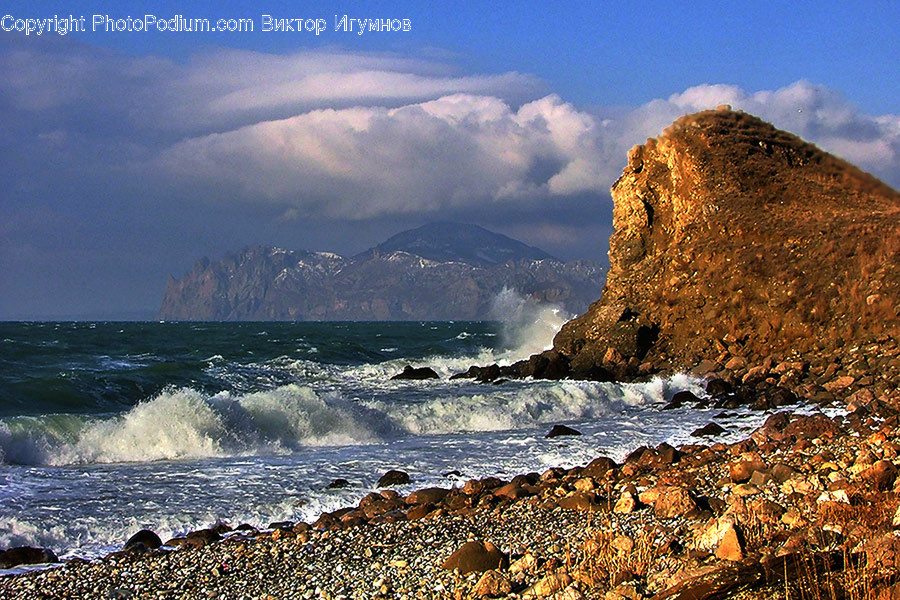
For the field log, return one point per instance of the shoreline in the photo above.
(711, 507)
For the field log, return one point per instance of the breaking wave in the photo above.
(528, 325)
(185, 424)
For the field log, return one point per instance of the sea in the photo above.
(107, 427)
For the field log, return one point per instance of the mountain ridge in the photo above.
(462, 242)
(464, 268)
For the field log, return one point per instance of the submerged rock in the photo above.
(560, 430)
(26, 555)
(708, 430)
(393, 477)
(416, 373)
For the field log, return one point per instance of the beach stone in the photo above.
(26, 555)
(731, 545)
(742, 471)
(625, 504)
(836, 385)
(419, 511)
(337, 484)
(492, 584)
(413, 373)
(708, 430)
(736, 362)
(548, 586)
(811, 427)
(378, 505)
(202, 537)
(755, 375)
(640, 455)
(598, 467)
(487, 374)
(570, 593)
(681, 398)
(477, 557)
(221, 527)
(584, 484)
(673, 502)
(431, 495)
(527, 563)
(745, 489)
(760, 478)
(649, 496)
(514, 491)
(580, 501)
(393, 477)
(476, 487)
(145, 538)
(718, 387)
(782, 472)
(774, 426)
(560, 430)
(880, 476)
(836, 496)
(722, 537)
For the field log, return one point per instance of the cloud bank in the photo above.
(163, 160)
(473, 150)
(345, 135)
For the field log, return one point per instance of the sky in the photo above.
(127, 155)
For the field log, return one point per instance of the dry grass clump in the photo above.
(857, 569)
(612, 557)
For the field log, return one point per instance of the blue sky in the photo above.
(128, 155)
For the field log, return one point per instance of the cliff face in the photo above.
(737, 242)
(394, 281)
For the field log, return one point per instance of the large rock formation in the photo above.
(439, 271)
(739, 243)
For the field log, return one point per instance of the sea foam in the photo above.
(186, 424)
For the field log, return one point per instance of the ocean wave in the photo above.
(186, 424)
(524, 405)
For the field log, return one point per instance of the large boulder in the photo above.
(392, 478)
(144, 539)
(26, 555)
(476, 556)
(416, 373)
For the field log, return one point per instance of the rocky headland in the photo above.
(741, 253)
(738, 245)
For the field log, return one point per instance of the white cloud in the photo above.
(466, 150)
(354, 135)
(358, 162)
(224, 89)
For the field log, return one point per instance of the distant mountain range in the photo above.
(439, 271)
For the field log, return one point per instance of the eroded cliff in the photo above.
(739, 244)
